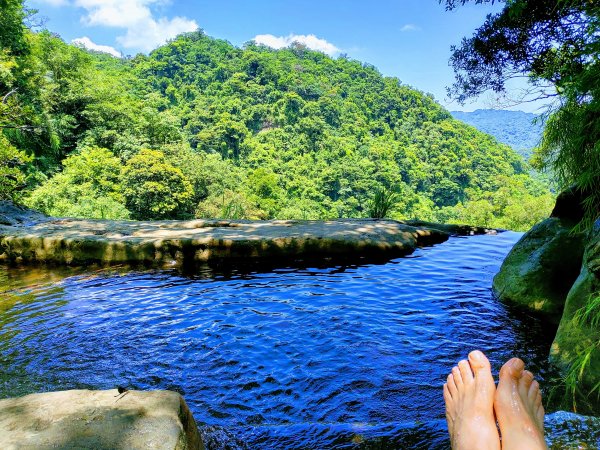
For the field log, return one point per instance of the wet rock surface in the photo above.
(14, 215)
(98, 419)
(541, 268)
(575, 336)
(27, 236)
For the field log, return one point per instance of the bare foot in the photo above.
(519, 410)
(469, 396)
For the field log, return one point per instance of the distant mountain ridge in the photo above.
(514, 128)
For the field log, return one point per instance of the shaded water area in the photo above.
(291, 358)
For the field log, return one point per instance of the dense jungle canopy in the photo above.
(200, 128)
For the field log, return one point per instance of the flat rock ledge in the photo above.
(82, 419)
(185, 243)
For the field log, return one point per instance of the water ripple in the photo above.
(342, 357)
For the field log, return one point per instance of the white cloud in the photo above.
(310, 40)
(156, 32)
(86, 42)
(143, 30)
(410, 27)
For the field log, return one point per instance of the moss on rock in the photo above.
(577, 338)
(541, 268)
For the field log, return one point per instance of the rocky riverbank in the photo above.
(27, 237)
(554, 270)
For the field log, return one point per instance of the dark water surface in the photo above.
(294, 358)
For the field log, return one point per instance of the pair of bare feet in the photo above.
(474, 404)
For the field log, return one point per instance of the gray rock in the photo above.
(541, 268)
(82, 419)
(14, 215)
(27, 236)
(453, 229)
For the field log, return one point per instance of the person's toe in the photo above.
(512, 370)
(527, 378)
(457, 375)
(447, 395)
(534, 391)
(540, 416)
(451, 386)
(525, 383)
(479, 363)
(465, 371)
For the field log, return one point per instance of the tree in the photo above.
(518, 204)
(545, 40)
(16, 84)
(240, 132)
(225, 137)
(155, 189)
(89, 186)
(556, 45)
(12, 173)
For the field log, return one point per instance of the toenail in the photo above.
(476, 354)
(517, 364)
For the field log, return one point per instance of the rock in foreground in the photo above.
(184, 243)
(99, 420)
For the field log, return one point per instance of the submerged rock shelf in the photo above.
(184, 243)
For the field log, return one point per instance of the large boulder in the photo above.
(541, 268)
(575, 337)
(27, 236)
(99, 420)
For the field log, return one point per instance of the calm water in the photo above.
(293, 358)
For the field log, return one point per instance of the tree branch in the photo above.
(12, 91)
(20, 127)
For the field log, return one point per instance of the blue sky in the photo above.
(408, 39)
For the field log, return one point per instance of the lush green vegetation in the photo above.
(521, 130)
(200, 128)
(555, 44)
(586, 317)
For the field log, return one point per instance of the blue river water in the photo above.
(290, 358)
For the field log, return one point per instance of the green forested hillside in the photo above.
(514, 128)
(200, 128)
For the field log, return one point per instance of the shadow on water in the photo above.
(423, 436)
(305, 356)
(15, 276)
